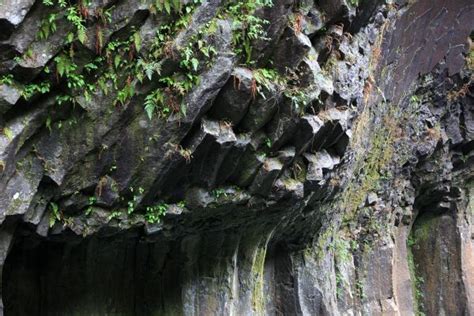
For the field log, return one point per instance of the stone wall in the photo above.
(237, 157)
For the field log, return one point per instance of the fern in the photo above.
(54, 215)
(72, 15)
(153, 101)
(168, 6)
(48, 26)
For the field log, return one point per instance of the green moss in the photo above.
(416, 281)
(470, 59)
(355, 3)
(8, 133)
(258, 300)
(422, 227)
(323, 242)
(470, 206)
(371, 165)
(342, 249)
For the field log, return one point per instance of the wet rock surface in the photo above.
(324, 166)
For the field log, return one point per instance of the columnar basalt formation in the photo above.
(215, 157)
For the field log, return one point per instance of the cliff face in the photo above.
(237, 157)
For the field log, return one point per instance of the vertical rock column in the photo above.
(6, 237)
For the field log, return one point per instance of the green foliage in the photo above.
(104, 15)
(48, 26)
(168, 99)
(114, 214)
(246, 26)
(64, 65)
(137, 41)
(415, 99)
(124, 59)
(168, 6)
(154, 213)
(268, 142)
(173, 6)
(66, 68)
(217, 193)
(341, 248)
(416, 280)
(33, 89)
(154, 101)
(54, 214)
(61, 3)
(73, 16)
(7, 80)
(147, 68)
(131, 204)
(91, 202)
(65, 98)
(360, 290)
(354, 3)
(298, 98)
(126, 93)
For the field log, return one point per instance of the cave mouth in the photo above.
(130, 273)
(65, 274)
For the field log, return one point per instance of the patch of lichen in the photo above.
(420, 232)
(379, 145)
(470, 206)
(470, 58)
(258, 300)
(416, 280)
(371, 163)
(422, 228)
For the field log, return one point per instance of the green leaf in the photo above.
(195, 64)
(81, 35)
(117, 61)
(183, 109)
(54, 215)
(149, 72)
(159, 5)
(70, 37)
(177, 5)
(149, 109)
(137, 41)
(48, 123)
(167, 6)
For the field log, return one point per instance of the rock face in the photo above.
(237, 158)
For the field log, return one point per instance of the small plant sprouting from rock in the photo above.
(91, 202)
(360, 290)
(217, 193)
(131, 204)
(114, 214)
(154, 213)
(6, 80)
(48, 26)
(268, 142)
(186, 154)
(416, 280)
(54, 214)
(246, 26)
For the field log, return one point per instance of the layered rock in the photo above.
(321, 166)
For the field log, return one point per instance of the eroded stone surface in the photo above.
(318, 194)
